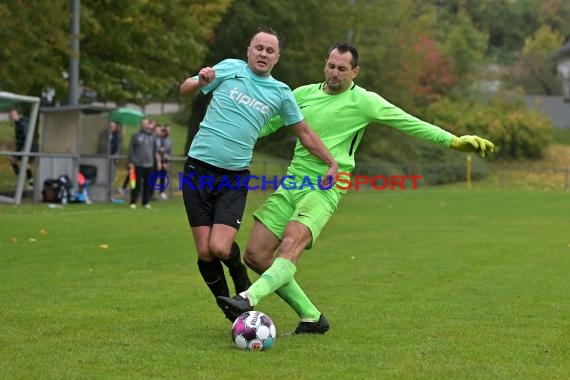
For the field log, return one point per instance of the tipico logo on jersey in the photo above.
(242, 98)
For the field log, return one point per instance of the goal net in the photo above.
(15, 158)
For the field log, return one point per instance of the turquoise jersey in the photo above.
(340, 121)
(242, 102)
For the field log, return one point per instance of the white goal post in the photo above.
(8, 98)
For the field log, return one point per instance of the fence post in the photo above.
(468, 171)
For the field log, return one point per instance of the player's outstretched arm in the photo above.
(472, 143)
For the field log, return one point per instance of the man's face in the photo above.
(339, 72)
(263, 53)
(14, 115)
(147, 125)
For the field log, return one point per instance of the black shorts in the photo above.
(213, 195)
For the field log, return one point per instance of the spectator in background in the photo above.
(115, 144)
(157, 131)
(164, 155)
(142, 156)
(21, 124)
(115, 138)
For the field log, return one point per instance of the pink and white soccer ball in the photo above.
(253, 331)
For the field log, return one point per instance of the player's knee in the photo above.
(205, 254)
(250, 258)
(219, 250)
(257, 261)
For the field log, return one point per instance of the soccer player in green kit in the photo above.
(290, 221)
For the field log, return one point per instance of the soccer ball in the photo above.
(253, 331)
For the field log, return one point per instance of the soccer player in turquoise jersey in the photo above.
(244, 97)
(290, 220)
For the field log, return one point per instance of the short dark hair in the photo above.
(343, 47)
(269, 30)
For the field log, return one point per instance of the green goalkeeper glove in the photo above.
(471, 143)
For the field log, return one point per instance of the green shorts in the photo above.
(312, 208)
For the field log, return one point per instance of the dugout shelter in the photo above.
(75, 139)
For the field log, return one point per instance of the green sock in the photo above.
(298, 300)
(277, 275)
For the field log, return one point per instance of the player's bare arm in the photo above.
(191, 85)
(313, 143)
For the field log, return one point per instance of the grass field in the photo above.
(430, 284)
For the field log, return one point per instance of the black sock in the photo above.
(29, 174)
(16, 169)
(237, 269)
(233, 261)
(213, 274)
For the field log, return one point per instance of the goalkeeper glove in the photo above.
(471, 143)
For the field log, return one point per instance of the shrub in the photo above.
(516, 131)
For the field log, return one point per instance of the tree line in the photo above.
(415, 53)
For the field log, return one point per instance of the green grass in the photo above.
(430, 284)
(562, 136)
(6, 135)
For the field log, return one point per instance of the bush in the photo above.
(515, 131)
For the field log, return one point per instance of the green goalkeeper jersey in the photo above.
(340, 120)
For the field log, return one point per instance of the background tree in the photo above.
(554, 13)
(465, 46)
(535, 71)
(436, 76)
(35, 44)
(386, 33)
(413, 51)
(131, 50)
(141, 50)
(506, 23)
